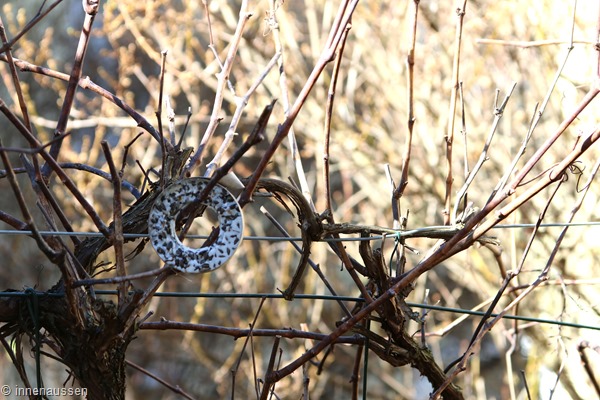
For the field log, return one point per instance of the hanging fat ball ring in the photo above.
(163, 235)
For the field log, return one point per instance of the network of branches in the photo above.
(416, 178)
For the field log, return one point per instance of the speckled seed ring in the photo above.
(161, 226)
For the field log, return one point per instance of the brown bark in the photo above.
(95, 354)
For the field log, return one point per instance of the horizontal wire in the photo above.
(286, 239)
(140, 235)
(29, 293)
(302, 296)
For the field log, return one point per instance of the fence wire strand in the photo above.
(299, 296)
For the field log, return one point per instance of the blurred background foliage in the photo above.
(368, 131)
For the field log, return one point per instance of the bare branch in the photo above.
(91, 8)
(222, 77)
(449, 139)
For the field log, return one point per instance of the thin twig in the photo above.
(120, 279)
(124, 161)
(285, 102)
(312, 264)
(449, 139)
(335, 35)
(173, 388)
(483, 329)
(86, 168)
(46, 199)
(52, 254)
(242, 102)
(139, 300)
(553, 175)
(269, 381)
(68, 182)
(117, 232)
(509, 171)
(236, 333)
(505, 283)
(483, 156)
(91, 9)
(87, 84)
(13, 221)
(163, 148)
(171, 121)
(463, 131)
(248, 338)
(410, 81)
(542, 150)
(211, 40)
(37, 18)
(524, 377)
(355, 377)
(586, 364)
(512, 339)
(222, 78)
(533, 43)
(15, 77)
(328, 119)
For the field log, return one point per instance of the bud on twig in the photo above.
(90, 6)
